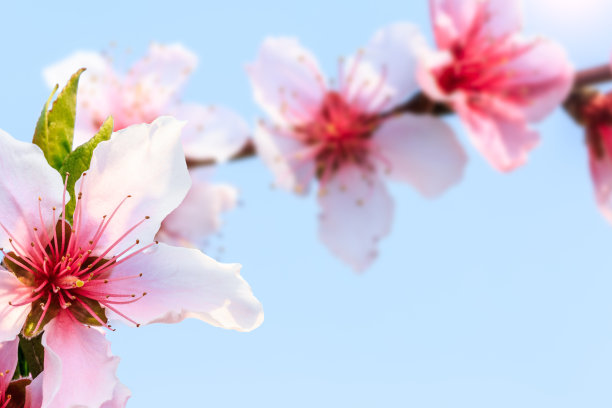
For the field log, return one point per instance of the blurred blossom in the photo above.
(496, 79)
(151, 88)
(198, 215)
(341, 135)
(596, 115)
(105, 266)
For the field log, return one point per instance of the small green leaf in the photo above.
(78, 161)
(55, 128)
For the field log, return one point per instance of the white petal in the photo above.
(12, 318)
(422, 151)
(356, 212)
(144, 161)
(155, 81)
(286, 157)
(211, 132)
(392, 53)
(8, 358)
(287, 81)
(182, 283)
(79, 366)
(26, 176)
(199, 215)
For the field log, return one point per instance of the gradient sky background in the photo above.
(498, 294)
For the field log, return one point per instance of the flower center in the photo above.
(63, 274)
(338, 134)
(482, 63)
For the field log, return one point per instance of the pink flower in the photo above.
(151, 88)
(497, 80)
(337, 135)
(105, 266)
(8, 363)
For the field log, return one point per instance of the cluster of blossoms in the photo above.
(151, 88)
(118, 241)
(351, 136)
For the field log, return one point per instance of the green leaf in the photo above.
(33, 354)
(78, 161)
(55, 128)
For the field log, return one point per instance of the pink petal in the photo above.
(34, 393)
(543, 75)
(79, 366)
(26, 177)
(182, 283)
(601, 173)
(154, 82)
(422, 151)
(211, 132)
(385, 76)
(144, 161)
(454, 20)
(8, 359)
(289, 159)
(356, 212)
(500, 134)
(287, 81)
(120, 397)
(199, 215)
(98, 90)
(12, 318)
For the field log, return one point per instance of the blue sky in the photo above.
(495, 295)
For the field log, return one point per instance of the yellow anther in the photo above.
(79, 283)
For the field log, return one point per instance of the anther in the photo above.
(147, 217)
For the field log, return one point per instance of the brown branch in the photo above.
(592, 76)
(248, 150)
(422, 104)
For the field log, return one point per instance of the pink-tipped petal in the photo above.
(211, 132)
(286, 80)
(286, 157)
(501, 135)
(12, 318)
(25, 176)
(199, 215)
(145, 162)
(422, 151)
(356, 212)
(79, 366)
(180, 283)
(153, 83)
(8, 359)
